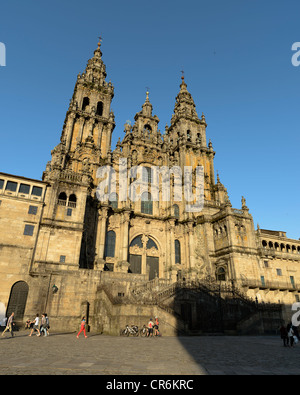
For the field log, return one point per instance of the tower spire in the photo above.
(99, 42)
(147, 106)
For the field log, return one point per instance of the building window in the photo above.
(151, 244)
(262, 279)
(85, 103)
(32, 210)
(177, 252)
(266, 264)
(279, 272)
(37, 191)
(28, 230)
(24, 188)
(1, 184)
(62, 259)
(176, 211)
(146, 203)
(99, 108)
(147, 174)
(62, 199)
(69, 212)
(11, 186)
(221, 274)
(110, 244)
(113, 200)
(297, 298)
(72, 200)
(137, 241)
(292, 281)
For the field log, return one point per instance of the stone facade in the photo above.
(65, 251)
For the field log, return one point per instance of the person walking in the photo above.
(150, 328)
(43, 328)
(290, 334)
(35, 327)
(9, 325)
(156, 325)
(284, 335)
(47, 324)
(82, 328)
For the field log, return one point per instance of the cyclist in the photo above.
(150, 328)
(156, 324)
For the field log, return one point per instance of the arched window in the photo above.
(85, 103)
(113, 200)
(151, 244)
(221, 274)
(137, 241)
(146, 203)
(99, 108)
(62, 199)
(177, 252)
(110, 244)
(176, 211)
(72, 200)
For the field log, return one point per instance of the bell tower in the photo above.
(86, 136)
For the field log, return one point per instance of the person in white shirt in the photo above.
(35, 323)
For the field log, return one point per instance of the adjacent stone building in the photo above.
(68, 250)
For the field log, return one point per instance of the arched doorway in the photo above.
(17, 300)
(144, 256)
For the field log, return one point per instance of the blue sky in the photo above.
(236, 55)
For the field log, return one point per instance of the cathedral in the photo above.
(77, 243)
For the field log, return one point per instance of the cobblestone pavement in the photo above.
(64, 354)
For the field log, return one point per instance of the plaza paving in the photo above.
(64, 354)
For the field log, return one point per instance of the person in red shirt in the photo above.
(82, 328)
(156, 331)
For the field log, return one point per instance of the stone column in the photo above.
(125, 222)
(101, 233)
(69, 129)
(172, 241)
(144, 254)
(190, 231)
(80, 132)
(100, 129)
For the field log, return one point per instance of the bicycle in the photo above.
(144, 331)
(130, 330)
